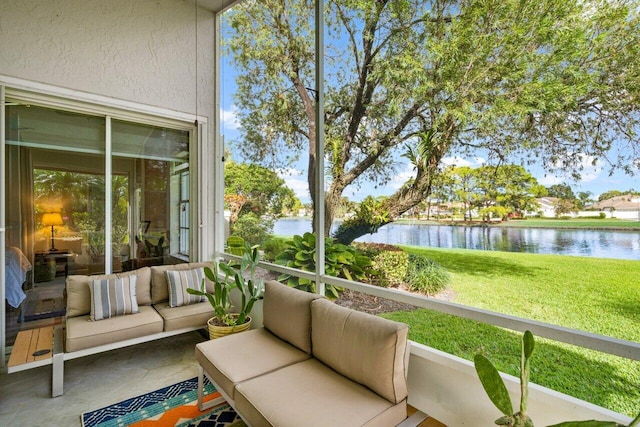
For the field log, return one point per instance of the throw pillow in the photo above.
(181, 280)
(113, 297)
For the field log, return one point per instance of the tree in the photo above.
(584, 197)
(509, 187)
(561, 191)
(609, 195)
(250, 188)
(538, 80)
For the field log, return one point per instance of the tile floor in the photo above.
(96, 381)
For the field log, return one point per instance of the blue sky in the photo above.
(595, 179)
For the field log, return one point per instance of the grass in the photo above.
(591, 294)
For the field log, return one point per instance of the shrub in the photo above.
(252, 229)
(340, 261)
(426, 276)
(273, 247)
(388, 261)
(392, 267)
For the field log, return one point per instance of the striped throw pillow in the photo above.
(180, 281)
(113, 297)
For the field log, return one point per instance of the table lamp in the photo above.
(52, 219)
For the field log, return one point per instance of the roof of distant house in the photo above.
(625, 202)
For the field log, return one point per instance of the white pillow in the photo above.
(181, 280)
(113, 297)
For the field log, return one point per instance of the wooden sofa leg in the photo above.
(210, 404)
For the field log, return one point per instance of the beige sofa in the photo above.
(313, 363)
(154, 319)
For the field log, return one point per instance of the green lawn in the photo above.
(596, 295)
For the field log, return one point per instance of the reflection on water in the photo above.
(589, 243)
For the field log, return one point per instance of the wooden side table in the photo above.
(39, 347)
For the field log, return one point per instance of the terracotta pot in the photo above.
(220, 331)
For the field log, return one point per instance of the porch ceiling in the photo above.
(216, 5)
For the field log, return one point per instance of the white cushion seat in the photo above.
(315, 393)
(185, 316)
(238, 357)
(83, 333)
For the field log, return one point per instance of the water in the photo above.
(588, 243)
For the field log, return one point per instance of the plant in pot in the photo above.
(497, 392)
(228, 318)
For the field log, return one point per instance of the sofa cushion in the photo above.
(159, 283)
(181, 280)
(186, 316)
(79, 294)
(287, 313)
(81, 333)
(313, 392)
(238, 357)
(112, 297)
(367, 349)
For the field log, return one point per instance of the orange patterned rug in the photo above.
(175, 405)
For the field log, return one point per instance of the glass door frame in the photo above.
(199, 150)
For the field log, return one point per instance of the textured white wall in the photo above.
(141, 51)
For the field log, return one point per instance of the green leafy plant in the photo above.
(497, 391)
(391, 267)
(273, 247)
(426, 276)
(252, 229)
(225, 277)
(340, 261)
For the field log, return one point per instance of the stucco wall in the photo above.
(141, 51)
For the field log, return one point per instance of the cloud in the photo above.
(297, 181)
(590, 172)
(229, 118)
(459, 161)
(400, 178)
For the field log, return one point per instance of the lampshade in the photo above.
(52, 218)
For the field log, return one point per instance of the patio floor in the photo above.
(96, 381)
(99, 380)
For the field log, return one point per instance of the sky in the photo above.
(595, 179)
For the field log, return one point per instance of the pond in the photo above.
(577, 242)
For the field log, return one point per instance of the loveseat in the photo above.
(313, 363)
(154, 316)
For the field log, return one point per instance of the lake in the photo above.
(577, 242)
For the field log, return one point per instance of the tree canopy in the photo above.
(545, 81)
(250, 188)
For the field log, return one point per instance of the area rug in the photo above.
(175, 405)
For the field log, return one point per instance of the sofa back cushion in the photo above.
(79, 292)
(181, 280)
(113, 297)
(367, 349)
(159, 282)
(287, 314)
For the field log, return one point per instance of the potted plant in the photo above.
(497, 392)
(230, 318)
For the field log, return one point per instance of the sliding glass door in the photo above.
(88, 193)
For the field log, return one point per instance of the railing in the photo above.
(602, 343)
(446, 386)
